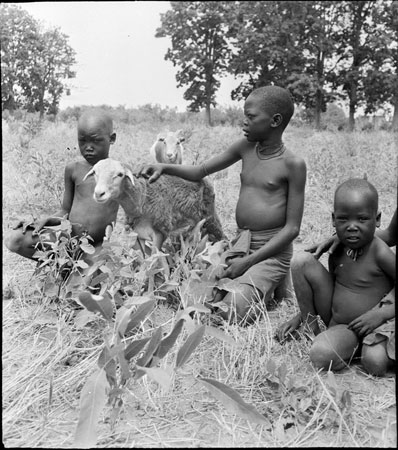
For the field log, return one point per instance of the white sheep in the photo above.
(168, 148)
(156, 210)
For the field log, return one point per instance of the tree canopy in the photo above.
(35, 63)
(319, 50)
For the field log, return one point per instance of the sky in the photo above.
(119, 60)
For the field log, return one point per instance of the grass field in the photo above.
(47, 357)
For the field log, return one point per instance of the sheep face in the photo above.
(168, 148)
(109, 175)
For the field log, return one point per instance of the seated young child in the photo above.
(95, 136)
(351, 297)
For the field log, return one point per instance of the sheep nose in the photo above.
(99, 194)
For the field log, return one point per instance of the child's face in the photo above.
(355, 218)
(94, 140)
(258, 123)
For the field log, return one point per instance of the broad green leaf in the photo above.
(139, 315)
(92, 402)
(159, 375)
(134, 348)
(167, 343)
(97, 303)
(189, 346)
(221, 335)
(233, 402)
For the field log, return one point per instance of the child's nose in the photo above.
(352, 226)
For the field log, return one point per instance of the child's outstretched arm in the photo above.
(191, 172)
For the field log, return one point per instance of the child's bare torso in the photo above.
(359, 285)
(263, 194)
(86, 214)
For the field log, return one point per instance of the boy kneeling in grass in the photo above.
(351, 297)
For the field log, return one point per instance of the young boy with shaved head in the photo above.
(351, 297)
(270, 204)
(95, 136)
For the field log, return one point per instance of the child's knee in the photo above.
(14, 241)
(323, 356)
(302, 260)
(374, 360)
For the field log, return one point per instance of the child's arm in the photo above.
(383, 311)
(190, 172)
(55, 219)
(294, 213)
(389, 235)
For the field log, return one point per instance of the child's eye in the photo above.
(363, 219)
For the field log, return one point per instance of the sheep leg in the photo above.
(157, 240)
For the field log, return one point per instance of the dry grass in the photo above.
(46, 359)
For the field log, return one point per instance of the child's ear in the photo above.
(378, 218)
(277, 119)
(112, 138)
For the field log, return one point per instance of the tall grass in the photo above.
(47, 358)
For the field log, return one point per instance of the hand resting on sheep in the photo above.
(156, 210)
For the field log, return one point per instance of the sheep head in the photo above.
(109, 175)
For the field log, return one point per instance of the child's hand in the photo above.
(24, 225)
(366, 323)
(151, 171)
(329, 245)
(236, 267)
(48, 221)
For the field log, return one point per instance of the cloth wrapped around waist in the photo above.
(248, 240)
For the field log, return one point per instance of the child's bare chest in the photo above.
(270, 174)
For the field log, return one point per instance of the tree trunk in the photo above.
(318, 109)
(208, 114)
(353, 105)
(394, 125)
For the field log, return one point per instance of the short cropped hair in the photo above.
(276, 100)
(360, 185)
(99, 115)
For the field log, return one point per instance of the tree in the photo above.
(381, 80)
(198, 48)
(36, 63)
(18, 33)
(44, 81)
(286, 43)
(360, 35)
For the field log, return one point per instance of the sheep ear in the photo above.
(90, 172)
(160, 137)
(129, 174)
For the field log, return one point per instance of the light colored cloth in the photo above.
(385, 331)
(265, 275)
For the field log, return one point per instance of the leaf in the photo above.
(167, 343)
(226, 284)
(219, 334)
(83, 317)
(139, 315)
(159, 375)
(233, 402)
(88, 248)
(151, 349)
(189, 346)
(97, 303)
(332, 383)
(134, 348)
(92, 402)
(82, 264)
